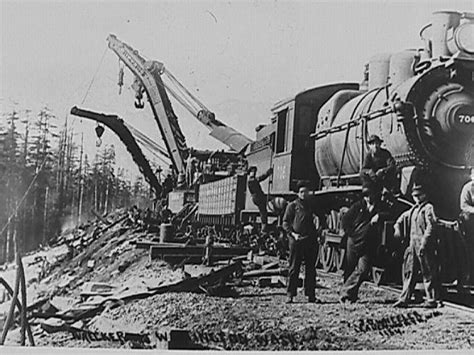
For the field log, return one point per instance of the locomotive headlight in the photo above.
(464, 37)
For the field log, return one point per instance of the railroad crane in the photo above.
(148, 79)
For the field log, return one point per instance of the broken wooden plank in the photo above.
(189, 249)
(105, 229)
(53, 325)
(99, 217)
(261, 273)
(194, 250)
(194, 283)
(193, 259)
(98, 289)
(273, 265)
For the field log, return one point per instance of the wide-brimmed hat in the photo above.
(374, 138)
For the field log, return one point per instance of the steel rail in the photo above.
(447, 304)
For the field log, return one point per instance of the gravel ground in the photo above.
(263, 311)
(255, 312)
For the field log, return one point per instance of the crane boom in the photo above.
(149, 75)
(117, 125)
(234, 139)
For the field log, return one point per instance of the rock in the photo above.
(124, 265)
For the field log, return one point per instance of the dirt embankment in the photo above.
(254, 318)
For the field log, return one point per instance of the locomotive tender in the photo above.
(420, 102)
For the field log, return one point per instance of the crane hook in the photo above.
(139, 103)
(99, 131)
(139, 100)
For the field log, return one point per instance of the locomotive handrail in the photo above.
(369, 116)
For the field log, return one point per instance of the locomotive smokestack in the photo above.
(442, 23)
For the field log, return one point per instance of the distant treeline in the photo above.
(67, 184)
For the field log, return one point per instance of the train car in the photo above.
(420, 102)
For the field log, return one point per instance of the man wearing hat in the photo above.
(379, 166)
(360, 225)
(466, 202)
(420, 222)
(298, 222)
(256, 192)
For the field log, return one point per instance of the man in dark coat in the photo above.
(466, 203)
(258, 196)
(299, 226)
(379, 166)
(360, 225)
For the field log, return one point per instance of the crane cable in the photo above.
(152, 150)
(181, 95)
(151, 146)
(183, 100)
(94, 76)
(144, 138)
(157, 156)
(182, 87)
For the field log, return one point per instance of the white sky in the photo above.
(250, 51)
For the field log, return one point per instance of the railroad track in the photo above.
(397, 290)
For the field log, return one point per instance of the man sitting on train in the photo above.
(379, 166)
(361, 226)
(420, 221)
(298, 222)
(466, 202)
(258, 196)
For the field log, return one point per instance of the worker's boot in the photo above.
(430, 304)
(313, 299)
(289, 300)
(400, 304)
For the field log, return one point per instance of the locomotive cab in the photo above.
(296, 119)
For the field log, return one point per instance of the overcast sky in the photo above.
(226, 52)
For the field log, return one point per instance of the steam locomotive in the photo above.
(419, 102)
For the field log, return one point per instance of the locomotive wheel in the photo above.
(326, 252)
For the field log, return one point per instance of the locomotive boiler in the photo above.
(420, 102)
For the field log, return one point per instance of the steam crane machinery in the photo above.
(148, 79)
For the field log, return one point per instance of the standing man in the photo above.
(256, 192)
(191, 163)
(466, 203)
(420, 221)
(301, 231)
(379, 166)
(360, 225)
